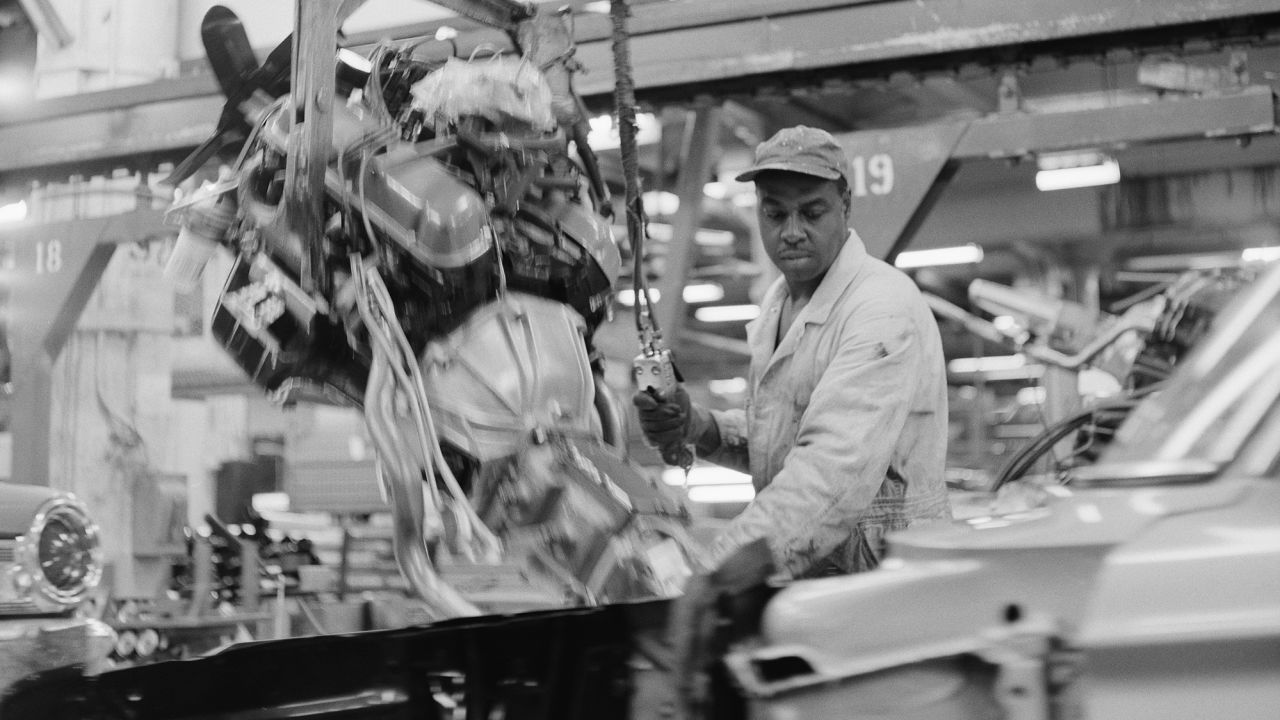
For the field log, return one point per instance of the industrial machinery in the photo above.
(1144, 588)
(426, 238)
(1129, 353)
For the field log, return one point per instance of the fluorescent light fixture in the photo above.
(692, 294)
(600, 8)
(703, 293)
(727, 386)
(705, 475)
(13, 212)
(722, 493)
(444, 32)
(270, 502)
(990, 363)
(727, 313)
(1185, 261)
(716, 190)
(663, 231)
(604, 134)
(958, 255)
(1260, 254)
(1063, 171)
(660, 202)
(627, 297)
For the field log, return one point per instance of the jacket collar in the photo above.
(762, 331)
(839, 277)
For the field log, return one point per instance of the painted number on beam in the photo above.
(48, 257)
(872, 175)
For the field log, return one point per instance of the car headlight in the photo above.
(58, 560)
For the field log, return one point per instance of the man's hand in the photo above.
(697, 632)
(666, 421)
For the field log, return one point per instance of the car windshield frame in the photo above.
(1215, 401)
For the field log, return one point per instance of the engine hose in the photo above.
(411, 381)
(612, 421)
(411, 552)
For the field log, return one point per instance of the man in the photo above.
(845, 428)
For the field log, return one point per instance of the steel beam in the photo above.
(1153, 119)
(57, 266)
(898, 172)
(681, 49)
(695, 168)
(694, 43)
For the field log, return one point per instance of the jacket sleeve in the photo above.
(732, 451)
(844, 444)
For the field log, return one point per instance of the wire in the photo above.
(1021, 462)
(389, 342)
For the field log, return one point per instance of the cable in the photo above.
(624, 100)
(1020, 462)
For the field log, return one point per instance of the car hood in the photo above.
(945, 587)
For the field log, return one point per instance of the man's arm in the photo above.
(843, 448)
(731, 444)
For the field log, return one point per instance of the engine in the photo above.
(462, 263)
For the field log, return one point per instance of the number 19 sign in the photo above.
(890, 172)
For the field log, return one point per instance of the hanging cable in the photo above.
(624, 100)
(654, 368)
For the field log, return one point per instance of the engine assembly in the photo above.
(464, 262)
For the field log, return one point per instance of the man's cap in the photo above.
(800, 149)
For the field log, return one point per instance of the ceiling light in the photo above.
(722, 494)
(13, 212)
(660, 202)
(662, 232)
(627, 297)
(601, 7)
(727, 313)
(696, 293)
(958, 255)
(989, 363)
(604, 133)
(727, 386)
(1063, 171)
(1260, 254)
(705, 475)
(703, 293)
(444, 32)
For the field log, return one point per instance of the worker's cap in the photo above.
(800, 149)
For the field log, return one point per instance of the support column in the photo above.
(695, 167)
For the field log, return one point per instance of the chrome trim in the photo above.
(46, 596)
(1146, 472)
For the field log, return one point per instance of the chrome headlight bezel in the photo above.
(47, 595)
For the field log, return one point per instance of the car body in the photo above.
(1148, 586)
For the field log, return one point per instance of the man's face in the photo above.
(804, 223)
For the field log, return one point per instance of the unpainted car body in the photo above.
(1147, 587)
